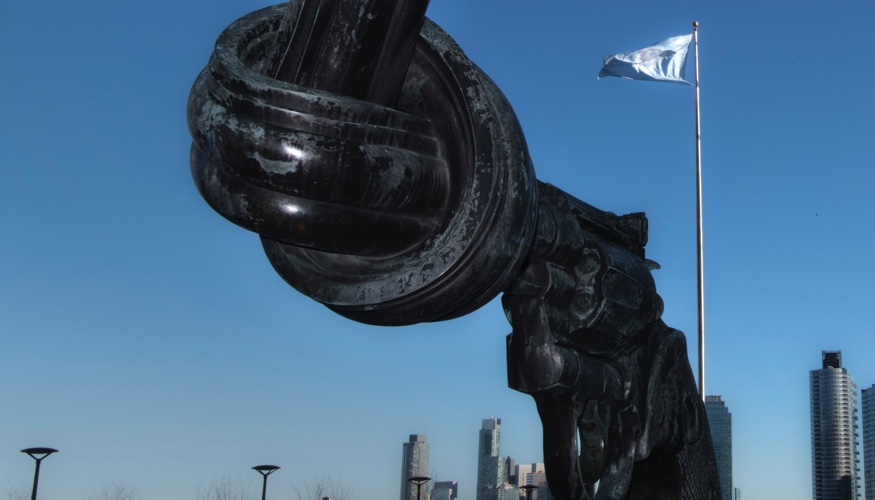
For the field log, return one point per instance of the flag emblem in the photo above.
(661, 62)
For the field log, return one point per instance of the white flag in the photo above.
(661, 62)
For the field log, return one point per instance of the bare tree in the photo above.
(13, 493)
(223, 489)
(317, 488)
(118, 491)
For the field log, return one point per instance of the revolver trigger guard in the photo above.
(559, 417)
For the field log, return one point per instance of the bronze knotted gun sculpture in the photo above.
(389, 179)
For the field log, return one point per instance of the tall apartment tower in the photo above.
(833, 430)
(414, 462)
(869, 442)
(720, 421)
(490, 465)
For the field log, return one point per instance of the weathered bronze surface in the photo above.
(389, 179)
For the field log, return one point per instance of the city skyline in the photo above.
(720, 421)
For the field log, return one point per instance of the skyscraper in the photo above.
(869, 442)
(490, 465)
(720, 421)
(833, 430)
(414, 462)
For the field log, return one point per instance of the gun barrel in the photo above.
(357, 48)
(564, 218)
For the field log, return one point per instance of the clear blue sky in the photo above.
(151, 342)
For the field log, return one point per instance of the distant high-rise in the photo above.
(445, 490)
(531, 474)
(520, 472)
(510, 471)
(536, 478)
(490, 465)
(720, 421)
(869, 442)
(833, 430)
(414, 462)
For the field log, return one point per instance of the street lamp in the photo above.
(419, 481)
(37, 454)
(265, 470)
(528, 489)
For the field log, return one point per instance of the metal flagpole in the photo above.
(699, 255)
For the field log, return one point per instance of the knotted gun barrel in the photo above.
(422, 211)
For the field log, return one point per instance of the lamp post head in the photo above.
(266, 470)
(33, 452)
(528, 488)
(419, 481)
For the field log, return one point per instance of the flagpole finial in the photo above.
(695, 24)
